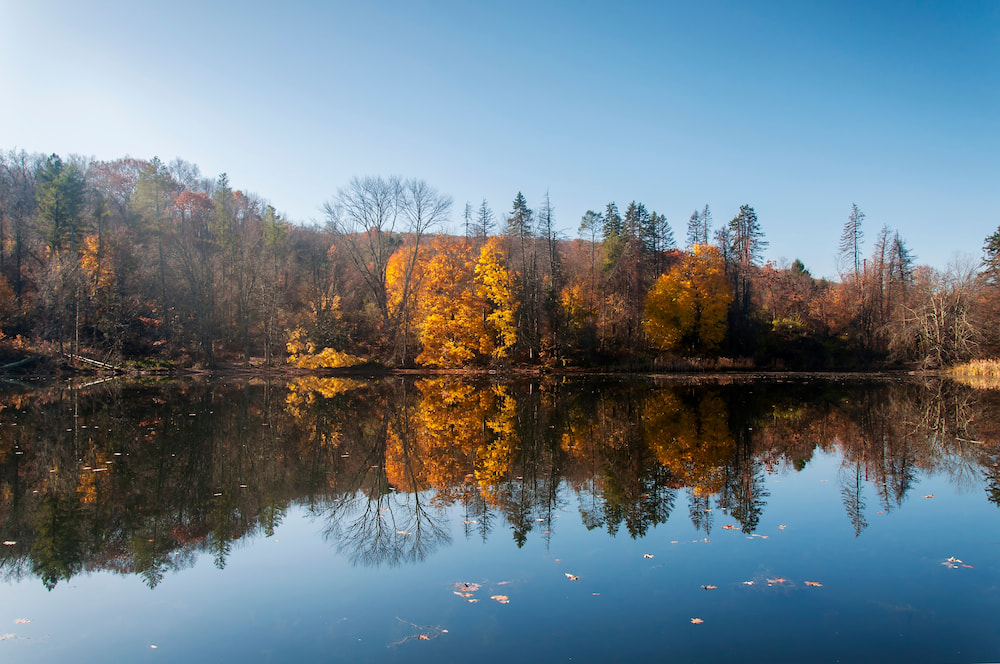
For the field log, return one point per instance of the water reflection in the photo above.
(143, 478)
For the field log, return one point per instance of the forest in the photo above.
(140, 263)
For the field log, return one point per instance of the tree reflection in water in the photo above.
(143, 478)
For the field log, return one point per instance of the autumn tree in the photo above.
(495, 286)
(451, 322)
(686, 308)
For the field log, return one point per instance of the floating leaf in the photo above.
(503, 599)
(572, 577)
(930, 495)
(814, 584)
(472, 601)
(468, 522)
(782, 527)
(463, 594)
(403, 532)
(423, 637)
(696, 621)
(749, 583)
(647, 555)
(953, 559)
(777, 579)
(710, 587)
(729, 526)
(502, 583)
(22, 621)
(969, 566)
(466, 587)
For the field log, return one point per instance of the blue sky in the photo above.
(797, 108)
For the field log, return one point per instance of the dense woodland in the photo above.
(146, 263)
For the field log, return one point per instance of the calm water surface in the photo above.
(433, 520)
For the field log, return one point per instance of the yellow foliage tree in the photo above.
(451, 326)
(686, 307)
(495, 285)
(96, 263)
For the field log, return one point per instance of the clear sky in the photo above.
(798, 108)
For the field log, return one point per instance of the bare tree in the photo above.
(938, 327)
(372, 217)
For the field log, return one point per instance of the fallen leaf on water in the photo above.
(777, 579)
(782, 527)
(503, 599)
(710, 587)
(402, 532)
(572, 577)
(22, 621)
(467, 587)
(558, 560)
(153, 647)
(463, 594)
(953, 559)
(696, 621)
(472, 601)
(814, 584)
(647, 555)
(595, 594)
(969, 566)
(423, 637)
(930, 495)
(502, 583)
(729, 526)
(468, 522)
(749, 583)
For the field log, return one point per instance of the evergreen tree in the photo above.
(991, 258)
(699, 226)
(485, 221)
(612, 228)
(60, 192)
(850, 241)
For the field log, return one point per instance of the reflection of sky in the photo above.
(293, 597)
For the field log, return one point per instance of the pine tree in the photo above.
(850, 241)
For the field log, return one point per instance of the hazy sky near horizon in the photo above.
(798, 108)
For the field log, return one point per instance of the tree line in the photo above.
(152, 262)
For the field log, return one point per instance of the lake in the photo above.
(428, 519)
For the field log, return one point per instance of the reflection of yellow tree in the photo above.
(495, 458)
(693, 441)
(303, 394)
